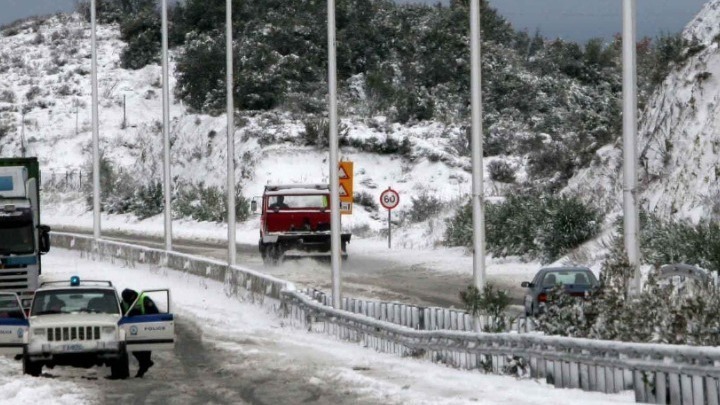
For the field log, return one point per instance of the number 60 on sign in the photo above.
(389, 199)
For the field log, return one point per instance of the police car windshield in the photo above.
(68, 301)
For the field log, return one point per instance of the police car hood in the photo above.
(78, 319)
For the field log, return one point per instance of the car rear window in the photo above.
(567, 277)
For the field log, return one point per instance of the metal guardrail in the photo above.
(420, 317)
(663, 374)
(233, 276)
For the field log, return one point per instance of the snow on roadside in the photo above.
(228, 322)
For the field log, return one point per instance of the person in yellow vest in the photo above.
(144, 306)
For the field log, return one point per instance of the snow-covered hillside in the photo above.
(680, 132)
(46, 64)
(678, 139)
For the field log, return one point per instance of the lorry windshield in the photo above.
(317, 201)
(16, 238)
(67, 301)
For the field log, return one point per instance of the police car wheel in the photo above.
(31, 368)
(120, 368)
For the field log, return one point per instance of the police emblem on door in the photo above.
(133, 330)
(20, 333)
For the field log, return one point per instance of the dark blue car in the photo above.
(576, 280)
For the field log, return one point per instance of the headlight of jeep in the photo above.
(108, 329)
(39, 332)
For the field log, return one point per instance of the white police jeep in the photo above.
(80, 324)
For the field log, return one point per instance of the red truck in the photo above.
(295, 223)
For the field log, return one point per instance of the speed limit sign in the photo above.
(389, 199)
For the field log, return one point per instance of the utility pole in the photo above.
(167, 186)
(631, 216)
(22, 131)
(477, 150)
(334, 161)
(96, 131)
(232, 248)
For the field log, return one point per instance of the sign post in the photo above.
(389, 199)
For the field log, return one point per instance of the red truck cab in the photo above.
(295, 223)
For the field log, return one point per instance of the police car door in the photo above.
(13, 324)
(150, 331)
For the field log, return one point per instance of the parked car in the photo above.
(576, 280)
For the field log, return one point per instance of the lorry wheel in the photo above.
(120, 368)
(30, 367)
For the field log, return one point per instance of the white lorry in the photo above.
(80, 324)
(22, 238)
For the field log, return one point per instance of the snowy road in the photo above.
(232, 352)
(365, 275)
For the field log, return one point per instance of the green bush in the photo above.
(148, 200)
(680, 242)
(424, 206)
(207, 203)
(317, 133)
(500, 171)
(568, 223)
(366, 200)
(531, 226)
(116, 187)
(491, 302)
(142, 32)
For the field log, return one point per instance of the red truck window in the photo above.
(298, 201)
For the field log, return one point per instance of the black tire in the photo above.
(30, 367)
(120, 368)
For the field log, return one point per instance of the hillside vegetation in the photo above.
(549, 107)
(554, 101)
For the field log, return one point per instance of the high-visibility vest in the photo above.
(140, 305)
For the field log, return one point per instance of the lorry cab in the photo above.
(22, 238)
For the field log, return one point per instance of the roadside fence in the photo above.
(73, 180)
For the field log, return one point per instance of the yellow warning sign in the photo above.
(343, 192)
(342, 174)
(345, 175)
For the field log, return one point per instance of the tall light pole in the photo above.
(166, 130)
(631, 216)
(96, 131)
(477, 150)
(334, 160)
(230, 139)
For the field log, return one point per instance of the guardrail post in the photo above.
(711, 390)
(640, 385)
(686, 389)
(698, 389)
(584, 377)
(593, 379)
(619, 379)
(601, 383)
(675, 392)
(574, 375)
(558, 374)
